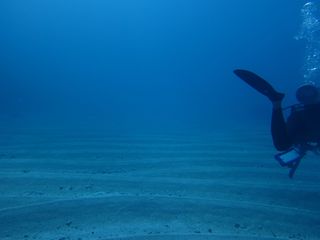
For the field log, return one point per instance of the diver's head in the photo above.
(308, 93)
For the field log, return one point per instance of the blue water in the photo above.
(122, 119)
(145, 66)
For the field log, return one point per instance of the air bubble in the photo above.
(310, 33)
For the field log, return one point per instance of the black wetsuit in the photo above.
(302, 126)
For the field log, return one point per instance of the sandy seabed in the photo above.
(225, 186)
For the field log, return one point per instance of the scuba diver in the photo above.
(300, 132)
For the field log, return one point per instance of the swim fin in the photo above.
(259, 84)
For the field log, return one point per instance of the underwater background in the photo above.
(122, 119)
(145, 66)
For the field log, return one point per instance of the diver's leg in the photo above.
(278, 128)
